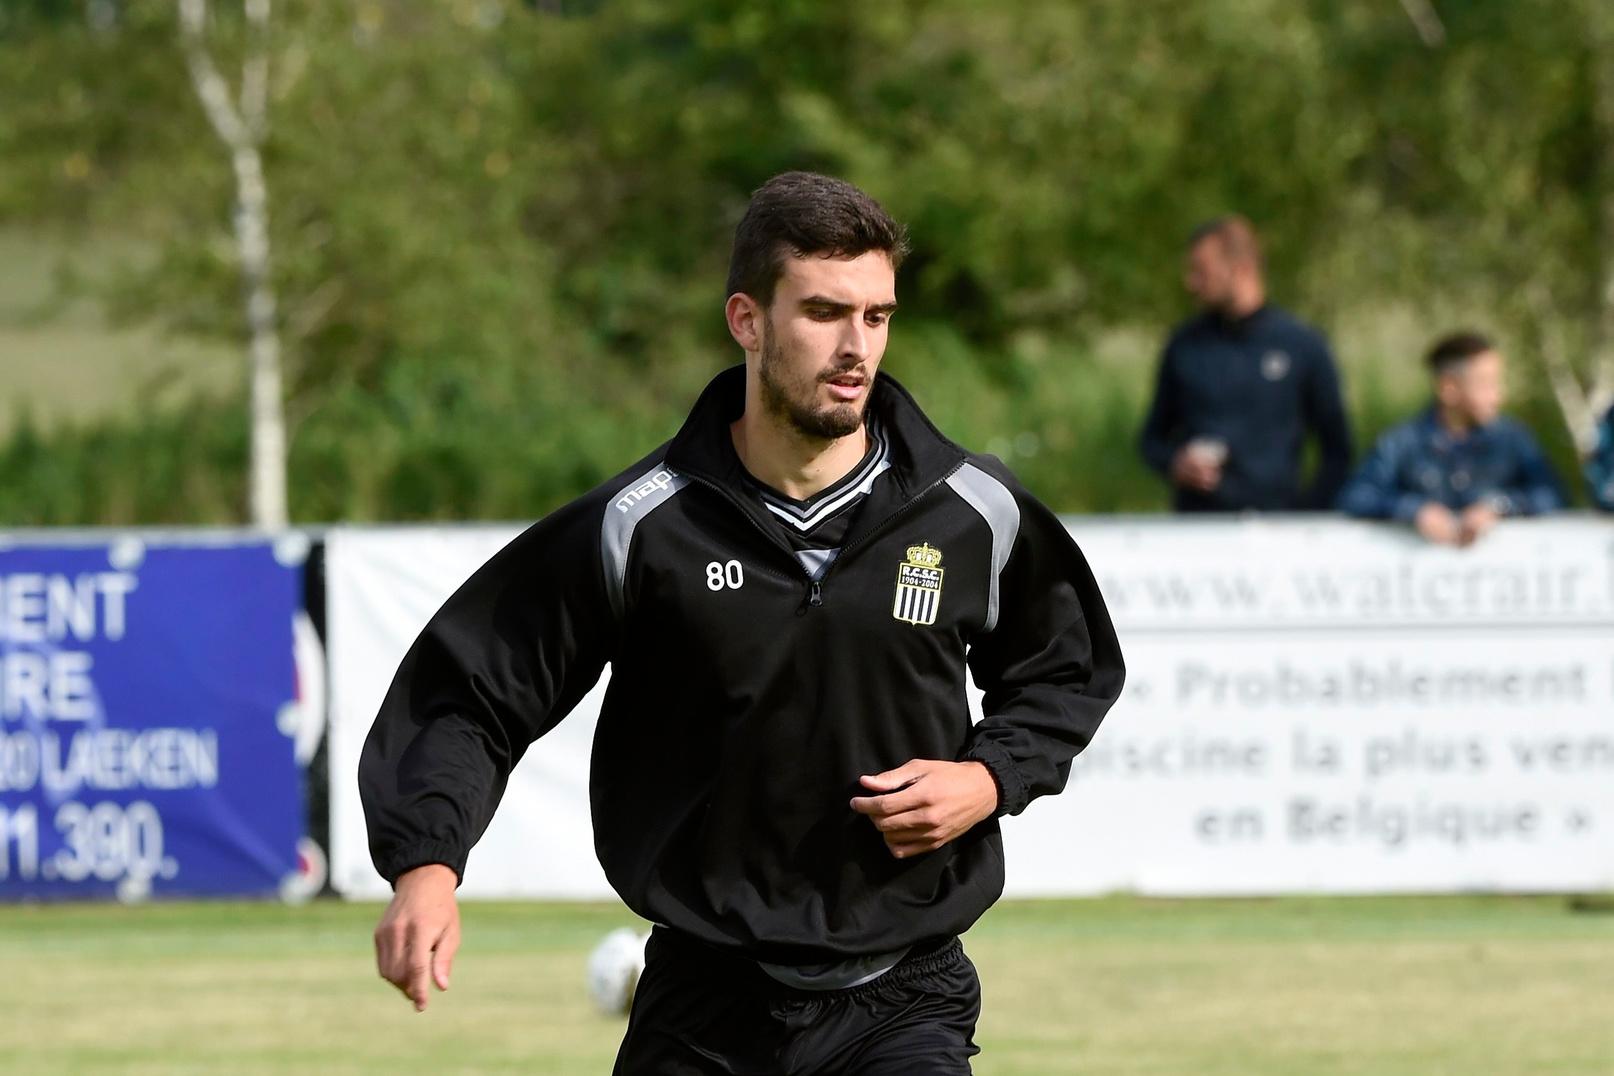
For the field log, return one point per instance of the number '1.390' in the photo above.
(106, 842)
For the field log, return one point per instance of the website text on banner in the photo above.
(1337, 707)
(141, 689)
(1312, 706)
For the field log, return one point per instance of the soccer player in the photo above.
(1456, 469)
(1240, 388)
(785, 779)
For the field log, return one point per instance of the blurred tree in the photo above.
(1585, 389)
(242, 124)
(501, 226)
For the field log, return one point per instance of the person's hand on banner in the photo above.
(1438, 524)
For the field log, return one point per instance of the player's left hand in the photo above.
(923, 804)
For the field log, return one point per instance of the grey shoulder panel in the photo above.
(996, 504)
(633, 503)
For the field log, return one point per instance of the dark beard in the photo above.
(827, 424)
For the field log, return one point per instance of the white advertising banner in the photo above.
(382, 585)
(1312, 706)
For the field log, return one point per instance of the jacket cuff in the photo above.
(420, 854)
(1012, 795)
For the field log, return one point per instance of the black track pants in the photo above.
(698, 1012)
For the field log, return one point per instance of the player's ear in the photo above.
(744, 317)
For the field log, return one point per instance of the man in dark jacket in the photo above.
(1239, 389)
(1459, 467)
(785, 779)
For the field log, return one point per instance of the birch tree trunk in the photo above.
(1578, 359)
(242, 125)
(1426, 20)
(1599, 395)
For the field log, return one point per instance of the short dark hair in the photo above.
(804, 213)
(1234, 232)
(1455, 349)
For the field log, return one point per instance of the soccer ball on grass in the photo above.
(614, 968)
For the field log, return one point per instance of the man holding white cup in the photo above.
(1241, 387)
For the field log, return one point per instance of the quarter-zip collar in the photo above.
(920, 456)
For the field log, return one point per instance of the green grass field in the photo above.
(1388, 987)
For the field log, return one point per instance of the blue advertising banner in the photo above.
(141, 750)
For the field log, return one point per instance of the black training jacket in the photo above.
(745, 700)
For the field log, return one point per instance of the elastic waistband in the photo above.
(922, 961)
(924, 958)
(916, 965)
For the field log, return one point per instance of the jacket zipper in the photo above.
(772, 538)
(817, 592)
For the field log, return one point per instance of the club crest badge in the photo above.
(919, 585)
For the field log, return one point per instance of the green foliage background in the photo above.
(500, 233)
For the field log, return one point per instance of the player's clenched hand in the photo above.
(923, 804)
(420, 932)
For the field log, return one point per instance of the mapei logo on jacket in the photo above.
(919, 585)
(658, 481)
